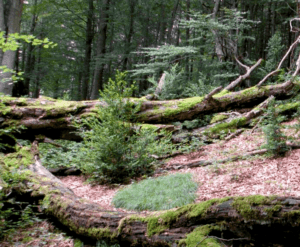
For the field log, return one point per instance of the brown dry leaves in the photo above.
(264, 176)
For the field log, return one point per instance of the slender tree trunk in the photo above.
(130, 33)
(36, 90)
(13, 12)
(88, 51)
(2, 25)
(163, 24)
(101, 49)
(29, 67)
(174, 12)
(218, 41)
(187, 32)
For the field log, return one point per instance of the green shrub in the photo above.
(275, 139)
(157, 193)
(120, 150)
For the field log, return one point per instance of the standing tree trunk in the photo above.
(187, 32)
(130, 33)
(10, 18)
(29, 65)
(2, 25)
(174, 12)
(218, 41)
(36, 90)
(88, 51)
(101, 48)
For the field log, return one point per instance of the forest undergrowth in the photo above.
(264, 175)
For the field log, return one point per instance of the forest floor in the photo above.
(256, 175)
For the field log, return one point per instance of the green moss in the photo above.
(254, 90)
(273, 209)
(233, 124)
(198, 235)
(149, 126)
(172, 107)
(218, 118)
(221, 94)
(98, 233)
(4, 110)
(158, 224)
(244, 205)
(288, 106)
(22, 157)
(200, 209)
(294, 214)
(183, 105)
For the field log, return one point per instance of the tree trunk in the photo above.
(36, 89)
(174, 12)
(11, 19)
(88, 51)
(29, 67)
(37, 118)
(239, 221)
(101, 48)
(128, 37)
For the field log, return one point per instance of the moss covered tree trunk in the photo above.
(240, 221)
(44, 114)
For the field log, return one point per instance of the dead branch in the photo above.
(280, 64)
(160, 84)
(241, 78)
(235, 134)
(213, 92)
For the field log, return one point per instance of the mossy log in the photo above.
(240, 221)
(41, 115)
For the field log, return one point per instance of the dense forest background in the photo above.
(194, 41)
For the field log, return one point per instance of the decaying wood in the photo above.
(233, 135)
(160, 84)
(208, 97)
(248, 218)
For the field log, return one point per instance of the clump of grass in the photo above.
(158, 193)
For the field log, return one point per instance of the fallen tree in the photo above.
(253, 220)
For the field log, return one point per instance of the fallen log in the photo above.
(239, 221)
(40, 115)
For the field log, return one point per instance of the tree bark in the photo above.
(129, 35)
(88, 51)
(11, 20)
(40, 115)
(240, 221)
(101, 49)
(29, 68)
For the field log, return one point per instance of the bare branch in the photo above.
(241, 64)
(241, 78)
(213, 92)
(160, 84)
(280, 64)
